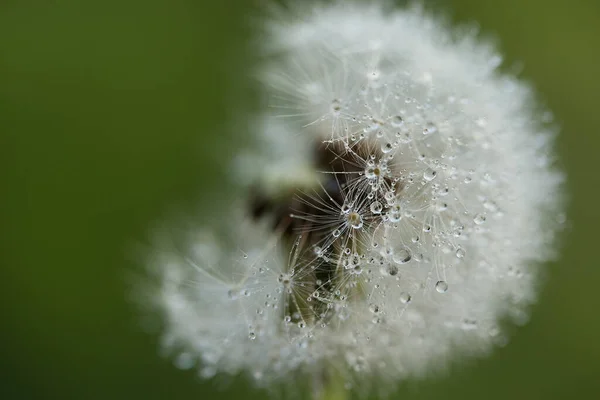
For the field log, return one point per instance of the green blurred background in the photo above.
(111, 115)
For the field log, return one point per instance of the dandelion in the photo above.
(398, 208)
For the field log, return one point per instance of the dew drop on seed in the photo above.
(252, 335)
(355, 220)
(376, 207)
(405, 298)
(402, 256)
(233, 294)
(429, 129)
(336, 107)
(386, 147)
(394, 216)
(397, 121)
(479, 219)
(370, 172)
(336, 233)
(285, 279)
(390, 197)
(460, 253)
(429, 174)
(346, 208)
(441, 287)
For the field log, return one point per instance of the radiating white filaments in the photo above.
(406, 196)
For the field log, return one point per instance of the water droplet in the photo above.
(402, 256)
(233, 294)
(392, 270)
(405, 298)
(252, 335)
(460, 253)
(376, 207)
(429, 174)
(285, 279)
(346, 208)
(479, 219)
(371, 172)
(374, 308)
(336, 107)
(301, 325)
(429, 129)
(336, 233)
(386, 147)
(355, 220)
(441, 287)
(394, 216)
(397, 121)
(390, 198)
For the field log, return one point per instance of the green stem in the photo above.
(329, 387)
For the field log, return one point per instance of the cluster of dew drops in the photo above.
(350, 241)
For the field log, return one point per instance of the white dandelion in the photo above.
(398, 208)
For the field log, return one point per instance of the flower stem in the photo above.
(329, 387)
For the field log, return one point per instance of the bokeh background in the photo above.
(112, 115)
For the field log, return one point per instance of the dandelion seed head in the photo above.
(401, 203)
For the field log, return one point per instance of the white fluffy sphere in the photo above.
(422, 232)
